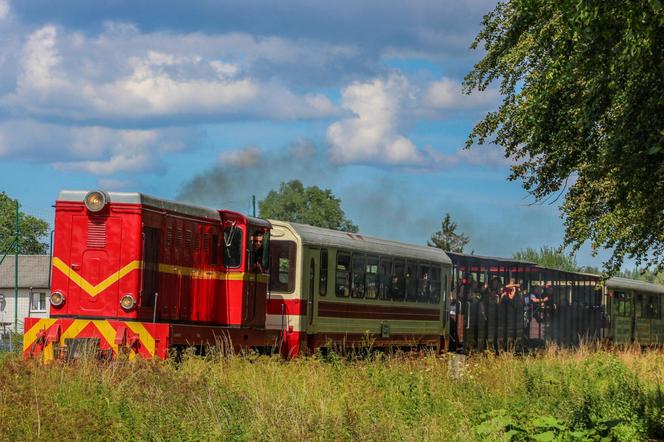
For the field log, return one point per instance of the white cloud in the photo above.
(123, 75)
(4, 9)
(94, 149)
(371, 134)
(447, 94)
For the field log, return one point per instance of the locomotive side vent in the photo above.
(96, 232)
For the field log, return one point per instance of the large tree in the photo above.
(582, 115)
(33, 231)
(447, 238)
(307, 205)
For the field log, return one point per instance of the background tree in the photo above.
(582, 115)
(33, 231)
(447, 238)
(307, 205)
(548, 257)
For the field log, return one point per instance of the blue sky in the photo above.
(215, 101)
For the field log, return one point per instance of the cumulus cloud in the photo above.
(447, 94)
(4, 9)
(71, 76)
(371, 134)
(93, 149)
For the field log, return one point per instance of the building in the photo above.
(33, 289)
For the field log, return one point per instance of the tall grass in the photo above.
(333, 398)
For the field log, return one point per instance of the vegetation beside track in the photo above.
(558, 395)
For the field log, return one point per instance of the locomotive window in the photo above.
(398, 283)
(434, 294)
(411, 281)
(232, 247)
(372, 277)
(257, 250)
(342, 275)
(282, 266)
(385, 278)
(358, 276)
(322, 282)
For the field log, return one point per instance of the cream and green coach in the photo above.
(634, 312)
(332, 288)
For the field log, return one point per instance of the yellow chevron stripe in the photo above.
(30, 336)
(146, 338)
(94, 290)
(108, 332)
(74, 329)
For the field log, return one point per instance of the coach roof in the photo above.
(317, 236)
(633, 284)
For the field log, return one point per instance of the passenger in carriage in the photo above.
(495, 289)
(257, 251)
(509, 292)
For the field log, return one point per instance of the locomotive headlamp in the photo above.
(95, 201)
(57, 299)
(127, 302)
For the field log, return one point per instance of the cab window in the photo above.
(232, 247)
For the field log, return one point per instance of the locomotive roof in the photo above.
(318, 236)
(633, 284)
(157, 203)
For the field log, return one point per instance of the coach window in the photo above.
(257, 250)
(359, 262)
(434, 294)
(282, 266)
(623, 304)
(385, 278)
(411, 281)
(322, 282)
(423, 282)
(398, 283)
(232, 247)
(342, 275)
(372, 277)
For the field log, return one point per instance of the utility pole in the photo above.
(253, 203)
(16, 252)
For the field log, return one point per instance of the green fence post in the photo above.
(16, 251)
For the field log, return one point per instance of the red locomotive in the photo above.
(140, 275)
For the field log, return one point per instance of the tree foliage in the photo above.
(582, 115)
(32, 230)
(447, 238)
(307, 205)
(548, 257)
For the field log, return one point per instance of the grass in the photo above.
(557, 395)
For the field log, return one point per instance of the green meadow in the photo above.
(555, 395)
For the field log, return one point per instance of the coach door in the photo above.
(256, 276)
(311, 259)
(94, 263)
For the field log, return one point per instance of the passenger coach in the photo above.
(331, 288)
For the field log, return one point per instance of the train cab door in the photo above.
(94, 260)
(255, 292)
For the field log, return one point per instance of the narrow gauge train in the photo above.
(138, 275)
